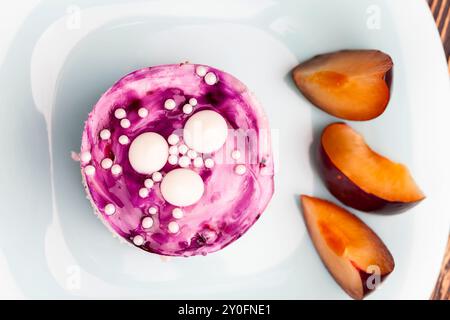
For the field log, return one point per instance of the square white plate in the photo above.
(61, 57)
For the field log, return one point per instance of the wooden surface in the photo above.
(441, 13)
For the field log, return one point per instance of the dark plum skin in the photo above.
(351, 194)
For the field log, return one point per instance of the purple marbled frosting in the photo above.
(230, 204)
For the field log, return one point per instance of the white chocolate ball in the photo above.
(120, 113)
(187, 108)
(210, 78)
(173, 139)
(123, 140)
(201, 71)
(170, 104)
(198, 162)
(148, 153)
(173, 227)
(105, 134)
(205, 132)
(110, 209)
(240, 169)
(125, 123)
(89, 170)
(157, 176)
(106, 163)
(182, 187)
(173, 159)
(142, 112)
(177, 213)
(138, 240)
(183, 149)
(236, 154)
(143, 192)
(193, 102)
(85, 157)
(116, 169)
(152, 210)
(173, 150)
(209, 163)
(148, 183)
(147, 222)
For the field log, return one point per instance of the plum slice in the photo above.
(350, 84)
(361, 178)
(354, 255)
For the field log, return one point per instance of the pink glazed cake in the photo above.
(177, 159)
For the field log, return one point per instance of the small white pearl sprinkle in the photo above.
(120, 113)
(240, 169)
(209, 163)
(193, 102)
(173, 227)
(110, 209)
(173, 150)
(201, 71)
(173, 139)
(187, 108)
(116, 169)
(138, 240)
(152, 210)
(105, 134)
(125, 123)
(85, 156)
(147, 222)
(123, 140)
(106, 163)
(236, 154)
(192, 154)
(170, 104)
(183, 149)
(157, 176)
(210, 78)
(173, 159)
(143, 192)
(143, 112)
(89, 170)
(184, 162)
(177, 213)
(198, 162)
(148, 183)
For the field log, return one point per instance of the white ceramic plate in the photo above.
(57, 59)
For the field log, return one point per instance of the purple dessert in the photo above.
(177, 160)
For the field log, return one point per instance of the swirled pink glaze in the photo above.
(231, 202)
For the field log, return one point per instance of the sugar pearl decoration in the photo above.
(143, 112)
(152, 210)
(184, 162)
(201, 71)
(110, 209)
(106, 163)
(157, 176)
(148, 183)
(123, 140)
(120, 113)
(173, 150)
(198, 162)
(183, 149)
(177, 213)
(125, 123)
(138, 240)
(173, 159)
(143, 192)
(210, 78)
(147, 222)
(236, 154)
(192, 154)
(193, 102)
(173, 139)
(173, 227)
(187, 108)
(240, 169)
(116, 169)
(105, 134)
(209, 163)
(170, 104)
(89, 170)
(85, 156)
